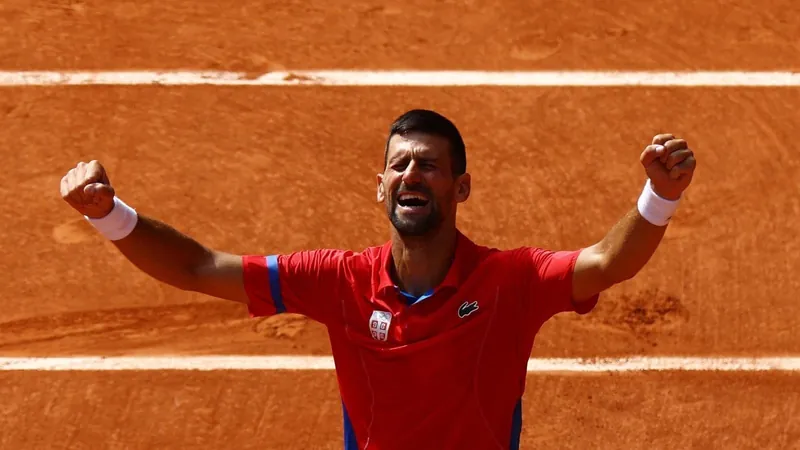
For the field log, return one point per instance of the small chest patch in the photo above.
(467, 308)
(379, 325)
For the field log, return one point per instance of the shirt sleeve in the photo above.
(549, 287)
(305, 282)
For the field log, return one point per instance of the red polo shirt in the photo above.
(444, 372)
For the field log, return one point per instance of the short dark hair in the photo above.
(431, 122)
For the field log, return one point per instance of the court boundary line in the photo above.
(326, 363)
(421, 78)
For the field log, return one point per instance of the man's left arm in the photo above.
(631, 242)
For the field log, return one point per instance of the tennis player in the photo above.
(430, 331)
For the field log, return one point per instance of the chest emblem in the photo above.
(379, 325)
(467, 308)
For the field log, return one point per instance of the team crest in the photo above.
(379, 325)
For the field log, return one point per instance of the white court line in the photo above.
(399, 78)
(537, 365)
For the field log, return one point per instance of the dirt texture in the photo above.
(270, 170)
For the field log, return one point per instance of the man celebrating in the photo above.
(430, 332)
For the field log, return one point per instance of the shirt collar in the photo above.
(456, 274)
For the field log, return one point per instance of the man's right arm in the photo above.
(173, 258)
(154, 247)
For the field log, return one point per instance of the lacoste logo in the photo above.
(467, 308)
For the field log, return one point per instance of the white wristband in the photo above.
(656, 210)
(118, 223)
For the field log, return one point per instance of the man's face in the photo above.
(418, 186)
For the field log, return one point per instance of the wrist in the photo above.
(655, 208)
(665, 197)
(118, 223)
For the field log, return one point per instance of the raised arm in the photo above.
(628, 246)
(153, 246)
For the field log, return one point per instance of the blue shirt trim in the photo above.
(412, 299)
(516, 426)
(350, 442)
(275, 283)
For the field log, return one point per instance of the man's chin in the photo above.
(412, 226)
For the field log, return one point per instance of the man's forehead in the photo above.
(421, 144)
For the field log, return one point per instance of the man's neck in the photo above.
(421, 263)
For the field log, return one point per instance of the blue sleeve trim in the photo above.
(275, 284)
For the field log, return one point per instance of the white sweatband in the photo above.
(118, 223)
(655, 209)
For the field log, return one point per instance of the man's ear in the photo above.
(381, 194)
(463, 189)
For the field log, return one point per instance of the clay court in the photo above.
(272, 169)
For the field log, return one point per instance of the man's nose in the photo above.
(412, 174)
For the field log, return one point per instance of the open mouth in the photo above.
(412, 202)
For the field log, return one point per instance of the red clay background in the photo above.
(263, 170)
(264, 35)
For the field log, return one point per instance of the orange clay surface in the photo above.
(270, 170)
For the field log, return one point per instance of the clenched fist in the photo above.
(669, 164)
(87, 189)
